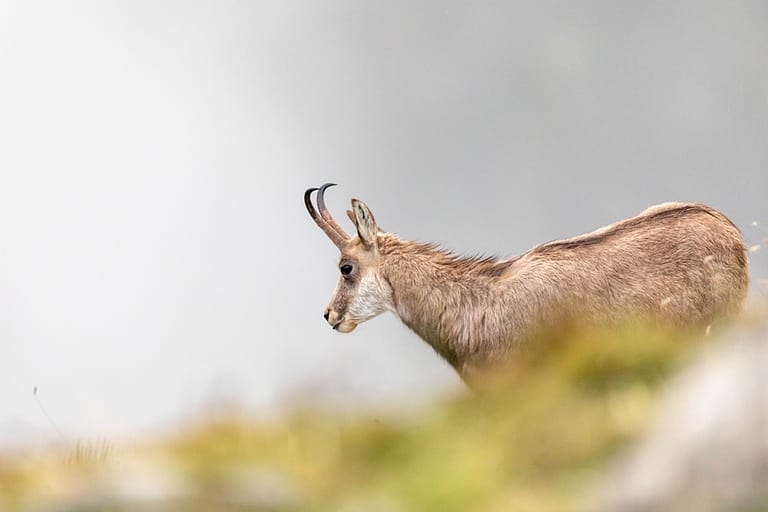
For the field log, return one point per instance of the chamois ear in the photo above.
(366, 224)
(354, 221)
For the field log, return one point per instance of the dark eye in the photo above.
(346, 269)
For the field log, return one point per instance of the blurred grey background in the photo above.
(155, 254)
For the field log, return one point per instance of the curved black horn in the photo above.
(308, 203)
(325, 214)
(321, 197)
(338, 239)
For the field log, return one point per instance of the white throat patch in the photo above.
(373, 296)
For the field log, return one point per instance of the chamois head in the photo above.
(362, 292)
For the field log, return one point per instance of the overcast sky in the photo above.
(155, 254)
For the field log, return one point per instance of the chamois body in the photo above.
(683, 265)
(678, 264)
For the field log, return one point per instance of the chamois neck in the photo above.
(442, 297)
(431, 260)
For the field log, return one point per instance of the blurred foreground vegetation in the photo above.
(536, 438)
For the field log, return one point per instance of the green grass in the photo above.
(535, 438)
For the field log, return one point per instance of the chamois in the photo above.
(679, 264)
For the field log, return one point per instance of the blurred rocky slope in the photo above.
(708, 448)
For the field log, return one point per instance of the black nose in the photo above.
(325, 315)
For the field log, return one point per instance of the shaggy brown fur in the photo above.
(679, 264)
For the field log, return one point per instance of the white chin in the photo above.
(346, 327)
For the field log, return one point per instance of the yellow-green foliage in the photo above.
(534, 438)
